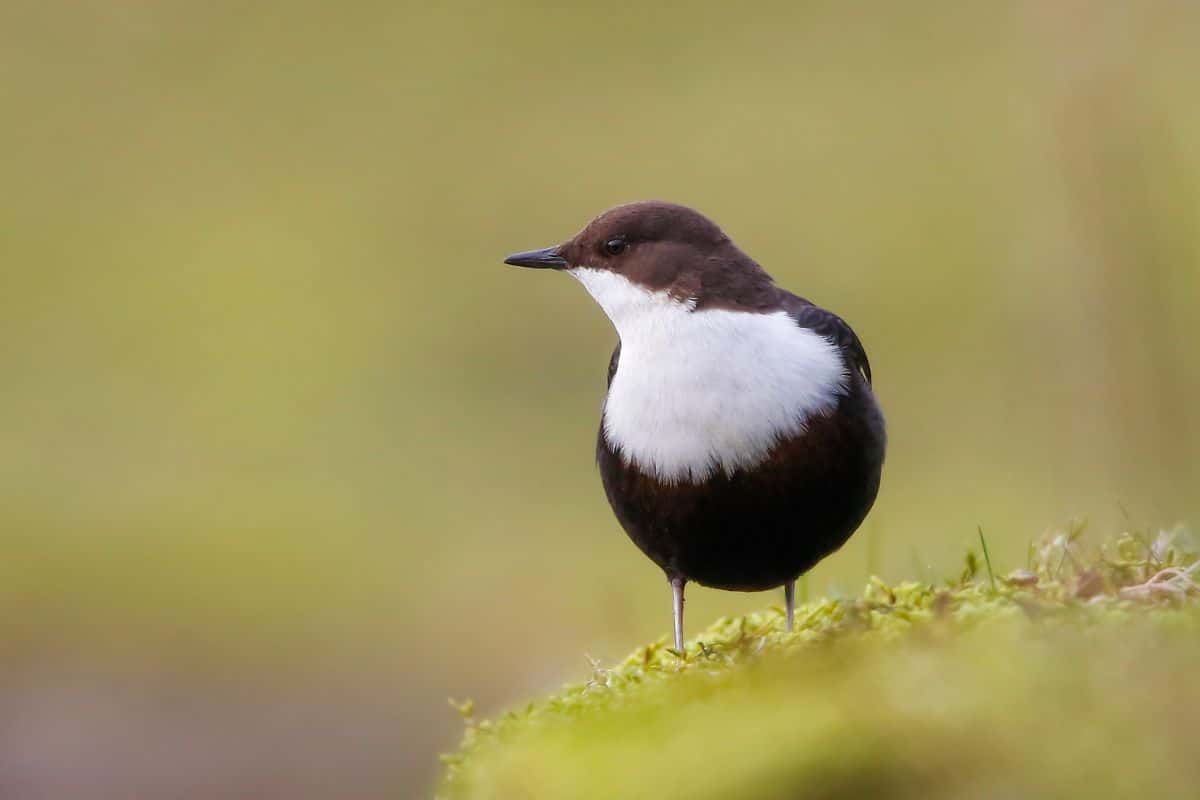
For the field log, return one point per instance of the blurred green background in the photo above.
(287, 456)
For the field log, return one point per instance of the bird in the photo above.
(740, 439)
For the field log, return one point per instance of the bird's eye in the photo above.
(614, 247)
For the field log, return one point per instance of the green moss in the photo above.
(1074, 676)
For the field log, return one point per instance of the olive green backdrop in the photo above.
(287, 456)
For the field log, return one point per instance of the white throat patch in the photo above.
(698, 392)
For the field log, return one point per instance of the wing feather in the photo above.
(833, 328)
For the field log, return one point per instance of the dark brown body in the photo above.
(760, 527)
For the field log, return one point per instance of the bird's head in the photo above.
(635, 255)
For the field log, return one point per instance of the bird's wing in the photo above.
(833, 328)
(612, 363)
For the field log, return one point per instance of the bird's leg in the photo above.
(677, 608)
(789, 601)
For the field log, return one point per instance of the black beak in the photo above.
(546, 258)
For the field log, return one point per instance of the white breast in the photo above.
(702, 391)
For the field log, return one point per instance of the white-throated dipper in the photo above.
(740, 441)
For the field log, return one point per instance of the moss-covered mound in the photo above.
(1078, 676)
